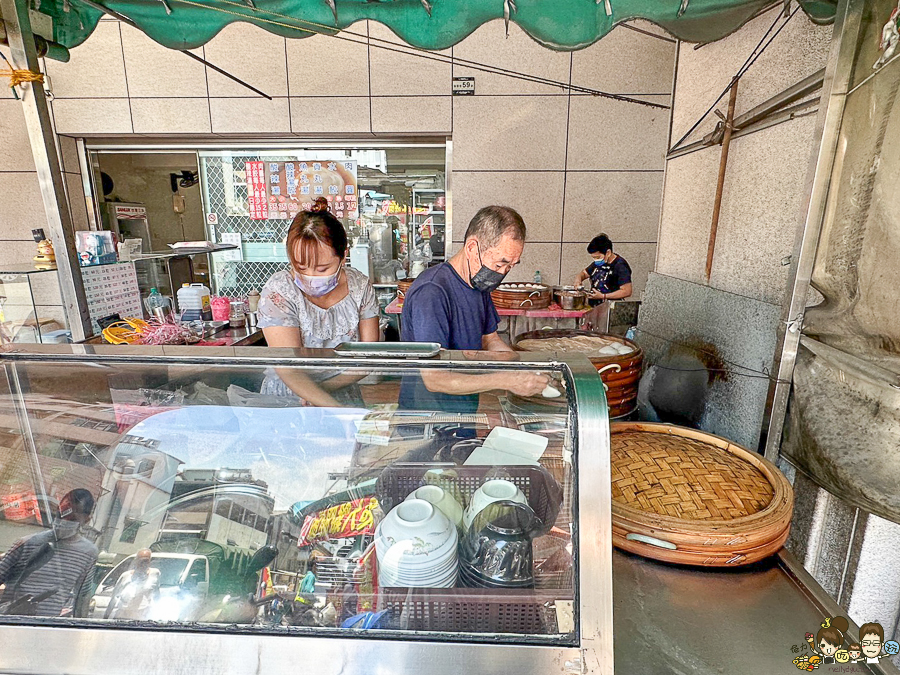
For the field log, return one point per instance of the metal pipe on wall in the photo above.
(720, 185)
(46, 160)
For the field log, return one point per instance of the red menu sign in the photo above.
(349, 519)
(256, 190)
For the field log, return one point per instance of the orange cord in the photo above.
(17, 77)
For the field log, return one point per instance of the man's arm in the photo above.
(494, 343)
(582, 275)
(523, 383)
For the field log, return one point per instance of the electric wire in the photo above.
(748, 63)
(752, 373)
(379, 43)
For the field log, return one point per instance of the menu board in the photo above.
(256, 190)
(278, 190)
(111, 289)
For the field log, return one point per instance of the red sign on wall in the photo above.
(256, 190)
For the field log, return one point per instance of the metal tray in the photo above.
(403, 350)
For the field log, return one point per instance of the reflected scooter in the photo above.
(243, 608)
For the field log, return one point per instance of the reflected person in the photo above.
(136, 589)
(51, 573)
(318, 303)
(451, 304)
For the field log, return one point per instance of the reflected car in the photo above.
(183, 586)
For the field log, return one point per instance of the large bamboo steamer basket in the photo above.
(715, 502)
(402, 287)
(505, 297)
(622, 384)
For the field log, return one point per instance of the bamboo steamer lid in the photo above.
(686, 496)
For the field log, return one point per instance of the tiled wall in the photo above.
(573, 165)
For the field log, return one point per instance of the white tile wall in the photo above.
(614, 135)
(518, 53)
(626, 62)
(406, 74)
(15, 149)
(96, 67)
(251, 54)
(509, 132)
(623, 204)
(154, 71)
(90, 117)
(250, 115)
(401, 115)
(348, 64)
(171, 115)
(21, 208)
(536, 195)
(514, 142)
(325, 115)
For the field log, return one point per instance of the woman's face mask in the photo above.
(316, 287)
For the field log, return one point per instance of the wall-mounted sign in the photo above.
(289, 187)
(463, 86)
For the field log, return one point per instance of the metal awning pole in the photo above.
(46, 160)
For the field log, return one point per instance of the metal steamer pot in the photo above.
(570, 297)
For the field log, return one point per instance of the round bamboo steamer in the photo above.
(527, 298)
(622, 386)
(686, 496)
(402, 287)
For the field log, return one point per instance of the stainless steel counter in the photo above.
(671, 619)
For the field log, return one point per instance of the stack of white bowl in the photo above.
(416, 546)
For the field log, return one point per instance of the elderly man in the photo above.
(451, 304)
(51, 573)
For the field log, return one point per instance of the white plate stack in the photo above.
(416, 546)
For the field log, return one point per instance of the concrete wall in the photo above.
(761, 213)
(573, 165)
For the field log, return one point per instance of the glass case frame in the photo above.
(79, 647)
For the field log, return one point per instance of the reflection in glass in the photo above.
(212, 505)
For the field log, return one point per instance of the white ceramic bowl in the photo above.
(442, 499)
(492, 491)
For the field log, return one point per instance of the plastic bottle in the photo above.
(537, 277)
(193, 303)
(158, 305)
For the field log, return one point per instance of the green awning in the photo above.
(430, 24)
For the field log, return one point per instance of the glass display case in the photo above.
(221, 523)
(19, 320)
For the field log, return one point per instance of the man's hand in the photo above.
(527, 383)
(596, 295)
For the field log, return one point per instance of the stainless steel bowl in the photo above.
(570, 297)
(496, 551)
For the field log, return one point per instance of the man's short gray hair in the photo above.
(493, 222)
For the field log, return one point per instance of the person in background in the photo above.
(135, 590)
(317, 303)
(451, 304)
(307, 589)
(610, 277)
(56, 565)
